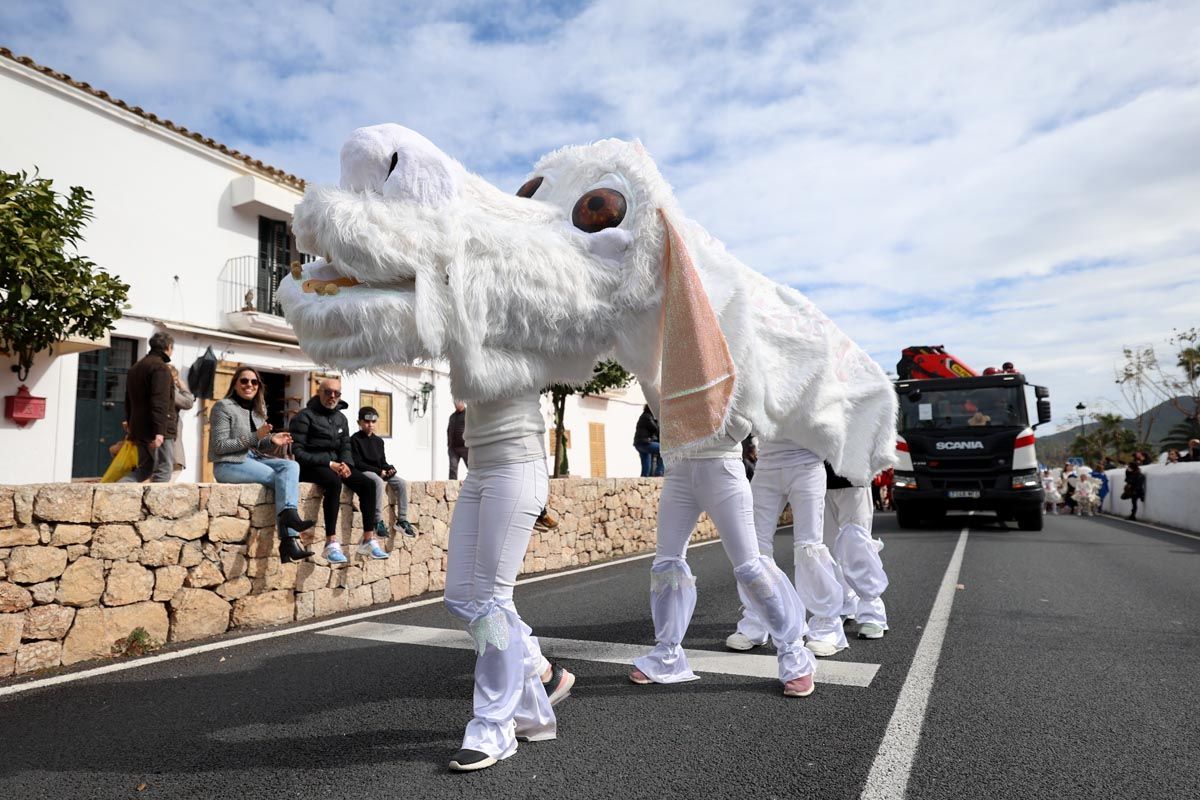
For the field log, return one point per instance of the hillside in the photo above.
(1053, 447)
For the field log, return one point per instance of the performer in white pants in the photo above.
(848, 518)
(515, 686)
(713, 480)
(788, 473)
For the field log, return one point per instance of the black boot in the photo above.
(290, 549)
(289, 518)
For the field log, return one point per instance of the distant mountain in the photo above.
(1053, 447)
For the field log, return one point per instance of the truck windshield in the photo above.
(993, 406)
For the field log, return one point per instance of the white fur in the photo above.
(515, 297)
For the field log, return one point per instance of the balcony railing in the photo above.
(248, 283)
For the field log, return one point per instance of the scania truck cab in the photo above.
(966, 443)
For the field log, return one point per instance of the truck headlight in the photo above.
(1026, 480)
(904, 480)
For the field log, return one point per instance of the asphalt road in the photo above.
(1068, 669)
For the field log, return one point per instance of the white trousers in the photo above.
(848, 519)
(719, 487)
(489, 534)
(816, 577)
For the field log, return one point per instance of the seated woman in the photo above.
(239, 442)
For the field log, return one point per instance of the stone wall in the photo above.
(82, 565)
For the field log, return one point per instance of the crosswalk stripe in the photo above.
(842, 673)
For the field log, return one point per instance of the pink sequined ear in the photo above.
(698, 374)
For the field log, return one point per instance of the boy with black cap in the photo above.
(370, 458)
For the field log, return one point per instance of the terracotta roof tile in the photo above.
(253, 163)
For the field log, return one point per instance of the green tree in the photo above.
(1181, 433)
(48, 291)
(605, 375)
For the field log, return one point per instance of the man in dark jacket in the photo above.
(321, 445)
(645, 441)
(454, 438)
(150, 411)
(371, 459)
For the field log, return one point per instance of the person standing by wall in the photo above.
(321, 444)
(1135, 483)
(184, 400)
(645, 441)
(150, 411)
(454, 438)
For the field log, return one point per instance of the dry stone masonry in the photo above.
(83, 565)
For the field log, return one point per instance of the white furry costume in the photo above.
(420, 259)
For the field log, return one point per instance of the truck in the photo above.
(965, 442)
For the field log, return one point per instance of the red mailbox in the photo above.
(23, 408)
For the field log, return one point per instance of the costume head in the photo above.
(421, 259)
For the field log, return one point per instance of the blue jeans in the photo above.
(652, 465)
(279, 474)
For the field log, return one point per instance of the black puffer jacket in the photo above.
(646, 430)
(321, 435)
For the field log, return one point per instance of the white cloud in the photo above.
(931, 173)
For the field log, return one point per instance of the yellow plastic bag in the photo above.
(125, 460)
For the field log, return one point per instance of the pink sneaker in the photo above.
(799, 687)
(641, 679)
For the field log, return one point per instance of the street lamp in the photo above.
(1080, 407)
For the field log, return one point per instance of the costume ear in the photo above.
(698, 375)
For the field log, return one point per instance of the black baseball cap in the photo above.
(368, 413)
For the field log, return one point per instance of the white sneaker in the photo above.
(822, 649)
(740, 641)
(870, 630)
(371, 549)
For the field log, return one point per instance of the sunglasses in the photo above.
(248, 381)
(331, 393)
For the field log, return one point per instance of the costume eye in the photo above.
(599, 209)
(529, 187)
(392, 166)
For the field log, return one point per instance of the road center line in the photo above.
(888, 778)
(844, 673)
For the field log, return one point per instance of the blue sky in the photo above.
(1016, 180)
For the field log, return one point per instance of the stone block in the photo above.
(352, 577)
(13, 537)
(400, 586)
(8, 516)
(115, 541)
(235, 588)
(376, 569)
(172, 500)
(23, 497)
(36, 564)
(330, 601)
(88, 637)
(262, 567)
(127, 584)
(12, 627)
(228, 529)
(304, 606)
(310, 576)
(44, 593)
(190, 554)
(38, 655)
(253, 494)
(263, 515)
(197, 613)
(118, 502)
(261, 542)
(271, 608)
(381, 591)
(192, 526)
(223, 499)
(120, 622)
(233, 562)
(167, 581)
(418, 578)
(204, 575)
(64, 502)
(360, 597)
(48, 622)
(81, 583)
(71, 534)
(284, 578)
(160, 552)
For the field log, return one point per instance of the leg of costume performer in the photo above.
(817, 580)
(724, 492)
(858, 554)
(769, 500)
(489, 534)
(832, 528)
(672, 586)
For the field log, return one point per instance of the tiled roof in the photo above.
(253, 163)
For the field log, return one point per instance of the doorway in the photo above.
(100, 405)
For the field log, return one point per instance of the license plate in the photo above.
(963, 493)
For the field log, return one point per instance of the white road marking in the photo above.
(888, 778)
(224, 644)
(843, 673)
